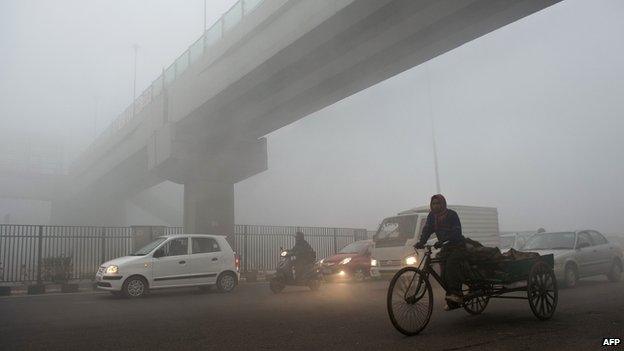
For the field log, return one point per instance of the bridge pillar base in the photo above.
(209, 208)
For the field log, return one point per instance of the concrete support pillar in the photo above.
(145, 234)
(209, 208)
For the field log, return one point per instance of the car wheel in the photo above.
(276, 286)
(134, 287)
(571, 276)
(226, 282)
(615, 273)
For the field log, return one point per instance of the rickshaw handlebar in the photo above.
(437, 245)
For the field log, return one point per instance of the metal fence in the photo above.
(24, 248)
(258, 246)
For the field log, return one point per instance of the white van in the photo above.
(393, 243)
(172, 261)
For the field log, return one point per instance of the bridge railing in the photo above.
(25, 249)
(193, 53)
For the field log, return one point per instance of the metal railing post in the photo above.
(335, 243)
(244, 256)
(39, 253)
(103, 231)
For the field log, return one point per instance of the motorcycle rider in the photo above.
(304, 254)
(447, 227)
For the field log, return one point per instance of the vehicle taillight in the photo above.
(237, 262)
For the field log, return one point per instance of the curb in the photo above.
(42, 289)
(57, 289)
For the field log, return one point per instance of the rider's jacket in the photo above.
(303, 251)
(447, 229)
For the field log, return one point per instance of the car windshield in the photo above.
(395, 231)
(358, 247)
(507, 242)
(149, 247)
(551, 241)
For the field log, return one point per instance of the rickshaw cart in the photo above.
(410, 296)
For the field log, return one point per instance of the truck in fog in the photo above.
(394, 240)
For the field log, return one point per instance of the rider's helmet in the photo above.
(299, 235)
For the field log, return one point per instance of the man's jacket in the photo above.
(447, 229)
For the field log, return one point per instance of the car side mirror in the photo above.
(583, 244)
(159, 253)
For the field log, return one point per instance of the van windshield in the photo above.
(394, 231)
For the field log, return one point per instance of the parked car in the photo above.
(353, 262)
(579, 254)
(172, 261)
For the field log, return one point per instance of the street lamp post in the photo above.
(136, 49)
(435, 157)
(95, 116)
(433, 137)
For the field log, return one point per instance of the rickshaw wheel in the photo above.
(542, 291)
(410, 301)
(476, 305)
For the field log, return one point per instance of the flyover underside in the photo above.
(206, 130)
(104, 202)
(361, 45)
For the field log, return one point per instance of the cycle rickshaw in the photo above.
(410, 296)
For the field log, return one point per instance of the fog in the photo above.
(528, 118)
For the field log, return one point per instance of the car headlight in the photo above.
(284, 253)
(373, 262)
(411, 260)
(321, 261)
(346, 260)
(112, 269)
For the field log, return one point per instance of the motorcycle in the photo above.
(285, 274)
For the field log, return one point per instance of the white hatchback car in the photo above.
(172, 261)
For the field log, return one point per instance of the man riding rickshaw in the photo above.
(472, 274)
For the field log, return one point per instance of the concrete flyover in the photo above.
(283, 61)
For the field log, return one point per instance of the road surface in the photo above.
(338, 317)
